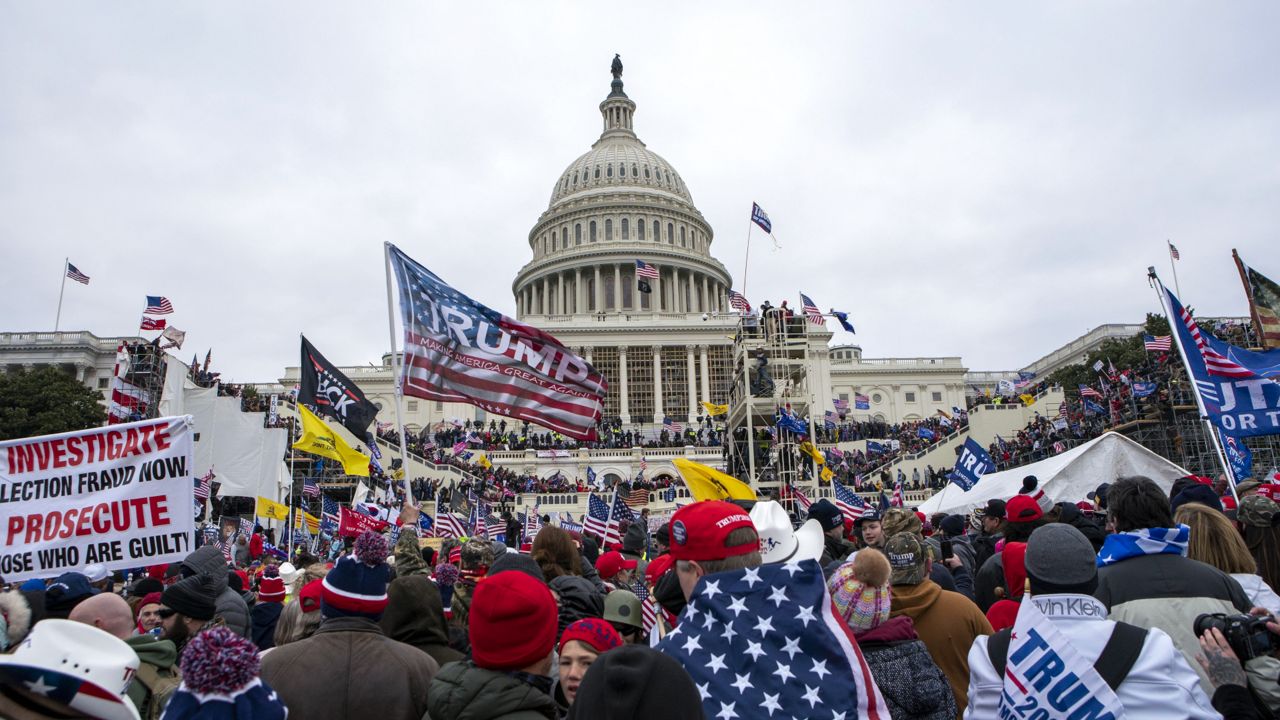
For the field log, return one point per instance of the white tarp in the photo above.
(1071, 475)
(246, 458)
(176, 383)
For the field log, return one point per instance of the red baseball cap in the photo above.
(657, 567)
(612, 562)
(699, 531)
(1022, 508)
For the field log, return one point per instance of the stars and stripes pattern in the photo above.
(671, 426)
(811, 310)
(841, 405)
(310, 488)
(448, 524)
(597, 520)
(1173, 252)
(765, 640)
(158, 305)
(899, 498)
(1088, 392)
(851, 505)
(637, 497)
(203, 486)
(619, 512)
(1159, 343)
(329, 514)
(802, 501)
(499, 364)
(1215, 363)
(645, 270)
(739, 302)
(75, 274)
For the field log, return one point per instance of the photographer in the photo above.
(1231, 695)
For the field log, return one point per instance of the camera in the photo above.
(1247, 635)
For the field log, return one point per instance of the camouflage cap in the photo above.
(898, 520)
(1257, 510)
(476, 554)
(907, 557)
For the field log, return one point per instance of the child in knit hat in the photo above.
(911, 683)
(220, 680)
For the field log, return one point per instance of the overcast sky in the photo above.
(988, 181)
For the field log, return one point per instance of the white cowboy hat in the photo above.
(778, 541)
(77, 665)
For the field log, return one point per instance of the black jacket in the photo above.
(462, 691)
(415, 616)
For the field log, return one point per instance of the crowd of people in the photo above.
(1164, 596)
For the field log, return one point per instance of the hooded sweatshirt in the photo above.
(415, 616)
(948, 623)
(208, 560)
(160, 654)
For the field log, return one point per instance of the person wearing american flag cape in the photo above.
(760, 640)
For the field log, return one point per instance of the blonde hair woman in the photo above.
(1215, 541)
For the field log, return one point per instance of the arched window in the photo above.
(626, 234)
(608, 230)
(682, 236)
(646, 172)
(597, 172)
(671, 234)
(640, 229)
(553, 241)
(591, 231)
(577, 234)
(575, 178)
(608, 170)
(657, 232)
(564, 237)
(634, 171)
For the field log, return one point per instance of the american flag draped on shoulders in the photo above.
(457, 350)
(765, 640)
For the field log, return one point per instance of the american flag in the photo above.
(496, 526)
(648, 612)
(620, 512)
(597, 520)
(1215, 363)
(76, 275)
(739, 302)
(645, 270)
(501, 366)
(841, 405)
(899, 498)
(850, 503)
(310, 488)
(459, 447)
(329, 515)
(204, 486)
(448, 524)
(1088, 392)
(829, 419)
(671, 425)
(764, 639)
(1159, 343)
(802, 501)
(811, 310)
(862, 402)
(644, 464)
(1173, 252)
(158, 305)
(638, 496)
(1059, 447)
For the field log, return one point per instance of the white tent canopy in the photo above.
(1071, 475)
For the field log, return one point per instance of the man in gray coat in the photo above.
(208, 561)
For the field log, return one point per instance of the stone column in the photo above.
(579, 297)
(707, 304)
(624, 409)
(693, 379)
(546, 296)
(706, 374)
(598, 291)
(657, 385)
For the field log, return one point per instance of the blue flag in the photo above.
(1239, 456)
(874, 447)
(762, 640)
(1091, 407)
(925, 433)
(761, 218)
(973, 463)
(843, 318)
(1143, 389)
(789, 422)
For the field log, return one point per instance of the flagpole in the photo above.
(1248, 293)
(1174, 268)
(1214, 439)
(399, 380)
(745, 258)
(57, 320)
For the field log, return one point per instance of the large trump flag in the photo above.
(457, 350)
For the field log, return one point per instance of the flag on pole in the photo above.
(1215, 362)
(861, 402)
(597, 521)
(457, 350)
(1264, 300)
(1173, 252)
(1161, 343)
(671, 426)
(1088, 392)
(152, 323)
(811, 310)
(761, 218)
(802, 501)
(739, 302)
(76, 275)
(268, 508)
(175, 337)
(843, 318)
(645, 270)
(204, 486)
(899, 498)
(310, 488)
(851, 504)
(327, 389)
(318, 439)
(158, 305)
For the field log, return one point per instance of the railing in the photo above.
(948, 362)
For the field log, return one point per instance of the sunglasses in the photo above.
(166, 612)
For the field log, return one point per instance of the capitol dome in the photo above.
(616, 204)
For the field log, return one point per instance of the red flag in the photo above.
(149, 323)
(352, 523)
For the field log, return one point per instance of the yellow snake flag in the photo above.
(1027, 400)
(318, 439)
(807, 448)
(271, 509)
(707, 483)
(713, 409)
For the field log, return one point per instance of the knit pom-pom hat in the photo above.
(860, 590)
(1031, 486)
(357, 584)
(220, 680)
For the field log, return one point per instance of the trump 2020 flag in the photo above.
(973, 463)
(457, 350)
(1076, 691)
(764, 641)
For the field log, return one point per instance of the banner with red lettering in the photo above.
(352, 523)
(120, 495)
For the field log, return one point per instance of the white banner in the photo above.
(121, 495)
(554, 453)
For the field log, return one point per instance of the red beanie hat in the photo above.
(595, 633)
(513, 621)
(271, 589)
(149, 599)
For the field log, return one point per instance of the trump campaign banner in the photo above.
(973, 463)
(120, 495)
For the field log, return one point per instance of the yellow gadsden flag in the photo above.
(271, 509)
(713, 409)
(318, 439)
(1027, 400)
(807, 448)
(707, 483)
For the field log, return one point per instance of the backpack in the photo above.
(1113, 663)
(160, 686)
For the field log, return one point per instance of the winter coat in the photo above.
(990, 576)
(159, 654)
(1092, 532)
(947, 622)
(912, 684)
(415, 616)
(240, 554)
(208, 560)
(255, 546)
(264, 616)
(1259, 592)
(408, 555)
(578, 599)
(350, 669)
(834, 550)
(1168, 592)
(984, 546)
(462, 691)
(1159, 685)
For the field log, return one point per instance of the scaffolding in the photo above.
(145, 372)
(771, 364)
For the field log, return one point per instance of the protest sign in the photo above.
(120, 495)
